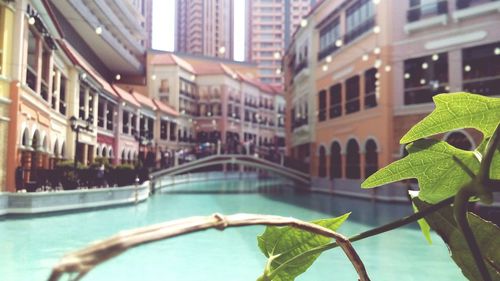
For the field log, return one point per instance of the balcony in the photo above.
(472, 8)
(421, 12)
(425, 16)
(327, 51)
(301, 71)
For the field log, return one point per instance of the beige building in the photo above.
(269, 27)
(204, 27)
(369, 73)
(220, 102)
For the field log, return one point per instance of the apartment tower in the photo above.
(204, 27)
(270, 25)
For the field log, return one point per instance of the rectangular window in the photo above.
(62, 95)
(322, 106)
(110, 114)
(335, 100)
(46, 73)
(151, 128)
(328, 36)
(81, 102)
(32, 60)
(163, 130)
(126, 123)
(370, 88)
(100, 114)
(360, 18)
(133, 123)
(481, 69)
(172, 131)
(352, 103)
(425, 77)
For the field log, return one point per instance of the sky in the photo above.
(164, 24)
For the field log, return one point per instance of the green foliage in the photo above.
(495, 164)
(486, 234)
(431, 163)
(281, 244)
(457, 111)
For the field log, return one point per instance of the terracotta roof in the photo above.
(79, 60)
(143, 100)
(126, 96)
(171, 59)
(165, 108)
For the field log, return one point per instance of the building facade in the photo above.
(222, 106)
(204, 27)
(269, 26)
(59, 61)
(374, 78)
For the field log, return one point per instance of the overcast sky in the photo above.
(163, 26)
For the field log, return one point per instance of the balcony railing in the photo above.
(327, 51)
(463, 4)
(299, 67)
(417, 13)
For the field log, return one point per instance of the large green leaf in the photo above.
(456, 111)
(486, 233)
(280, 244)
(495, 163)
(424, 226)
(431, 163)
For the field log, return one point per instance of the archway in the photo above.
(322, 162)
(371, 158)
(352, 162)
(335, 161)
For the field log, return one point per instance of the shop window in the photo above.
(335, 100)
(81, 102)
(100, 114)
(110, 114)
(481, 69)
(352, 95)
(163, 130)
(352, 160)
(425, 77)
(335, 161)
(370, 88)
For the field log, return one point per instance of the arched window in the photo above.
(35, 142)
(56, 149)
(335, 161)
(352, 163)
(459, 140)
(123, 158)
(26, 138)
(322, 162)
(63, 150)
(371, 158)
(104, 152)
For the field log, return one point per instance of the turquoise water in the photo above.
(29, 247)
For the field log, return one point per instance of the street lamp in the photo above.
(75, 127)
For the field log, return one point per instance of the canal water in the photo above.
(29, 247)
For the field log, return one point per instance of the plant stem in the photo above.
(460, 214)
(378, 230)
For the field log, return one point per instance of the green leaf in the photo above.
(495, 163)
(431, 163)
(457, 111)
(281, 244)
(486, 233)
(424, 226)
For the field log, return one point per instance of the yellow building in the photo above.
(6, 30)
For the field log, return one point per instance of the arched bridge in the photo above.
(243, 160)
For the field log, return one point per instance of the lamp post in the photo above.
(75, 127)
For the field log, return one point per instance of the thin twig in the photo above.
(84, 260)
(372, 232)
